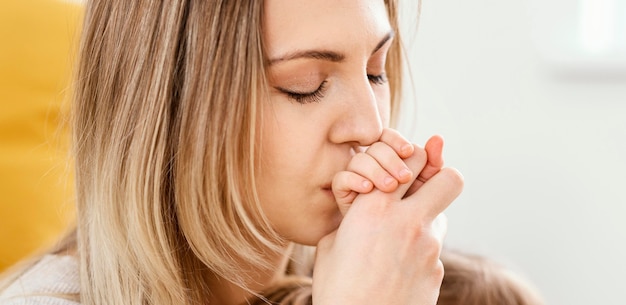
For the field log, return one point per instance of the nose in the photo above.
(359, 120)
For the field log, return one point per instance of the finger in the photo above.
(390, 162)
(415, 163)
(434, 150)
(437, 193)
(434, 163)
(395, 140)
(346, 186)
(366, 166)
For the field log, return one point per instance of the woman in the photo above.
(213, 137)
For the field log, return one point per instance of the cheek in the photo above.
(285, 156)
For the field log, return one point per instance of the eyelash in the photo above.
(377, 79)
(317, 95)
(306, 97)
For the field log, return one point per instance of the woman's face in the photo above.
(329, 98)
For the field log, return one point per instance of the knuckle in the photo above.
(454, 178)
(359, 158)
(438, 272)
(430, 245)
(432, 248)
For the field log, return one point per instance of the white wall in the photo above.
(543, 153)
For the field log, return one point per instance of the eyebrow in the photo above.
(326, 55)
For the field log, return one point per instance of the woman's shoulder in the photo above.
(53, 280)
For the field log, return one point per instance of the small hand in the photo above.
(434, 163)
(381, 166)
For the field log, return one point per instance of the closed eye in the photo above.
(377, 79)
(306, 97)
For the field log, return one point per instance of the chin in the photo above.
(310, 235)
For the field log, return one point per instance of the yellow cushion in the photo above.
(37, 40)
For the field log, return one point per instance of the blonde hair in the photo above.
(166, 107)
(476, 280)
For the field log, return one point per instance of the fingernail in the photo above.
(366, 184)
(389, 180)
(407, 150)
(405, 173)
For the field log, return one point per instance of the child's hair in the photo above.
(475, 280)
(468, 280)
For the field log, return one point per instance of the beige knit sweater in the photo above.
(45, 283)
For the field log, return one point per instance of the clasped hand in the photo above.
(386, 249)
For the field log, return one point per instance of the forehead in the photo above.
(329, 24)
